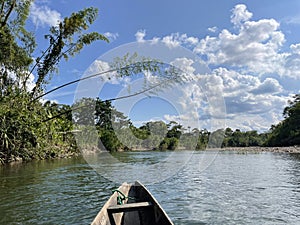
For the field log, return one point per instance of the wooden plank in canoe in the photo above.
(141, 208)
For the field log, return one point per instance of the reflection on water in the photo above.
(236, 189)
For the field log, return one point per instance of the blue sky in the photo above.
(252, 50)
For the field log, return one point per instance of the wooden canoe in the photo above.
(138, 208)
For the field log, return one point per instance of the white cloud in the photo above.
(108, 75)
(249, 101)
(44, 16)
(212, 29)
(240, 14)
(248, 96)
(295, 48)
(29, 85)
(171, 41)
(175, 39)
(150, 79)
(292, 20)
(99, 66)
(253, 122)
(240, 57)
(185, 65)
(255, 47)
(111, 36)
(180, 118)
(268, 86)
(155, 40)
(184, 39)
(292, 62)
(139, 35)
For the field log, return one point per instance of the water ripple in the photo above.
(235, 189)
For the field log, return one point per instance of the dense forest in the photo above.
(35, 129)
(175, 136)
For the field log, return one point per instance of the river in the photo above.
(260, 188)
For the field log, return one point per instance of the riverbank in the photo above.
(256, 149)
(290, 149)
(61, 155)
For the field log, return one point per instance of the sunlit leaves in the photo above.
(83, 40)
(66, 39)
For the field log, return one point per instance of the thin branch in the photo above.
(73, 82)
(109, 100)
(138, 93)
(8, 13)
(85, 78)
(62, 113)
(42, 56)
(2, 8)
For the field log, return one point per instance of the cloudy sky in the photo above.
(251, 50)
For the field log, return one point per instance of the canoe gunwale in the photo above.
(144, 207)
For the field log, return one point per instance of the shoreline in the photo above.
(290, 149)
(252, 149)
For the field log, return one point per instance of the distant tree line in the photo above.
(37, 132)
(158, 135)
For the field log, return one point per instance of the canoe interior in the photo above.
(141, 208)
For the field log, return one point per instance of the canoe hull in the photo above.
(141, 208)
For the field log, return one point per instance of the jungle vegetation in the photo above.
(34, 129)
(24, 133)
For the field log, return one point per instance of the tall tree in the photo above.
(65, 40)
(287, 132)
(23, 132)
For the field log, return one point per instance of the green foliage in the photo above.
(16, 137)
(27, 127)
(216, 139)
(23, 134)
(84, 112)
(239, 138)
(16, 43)
(287, 132)
(169, 144)
(131, 65)
(110, 141)
(90, 112)
(202, 138)
(12, 57)
(66, 39)
(175, 130)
